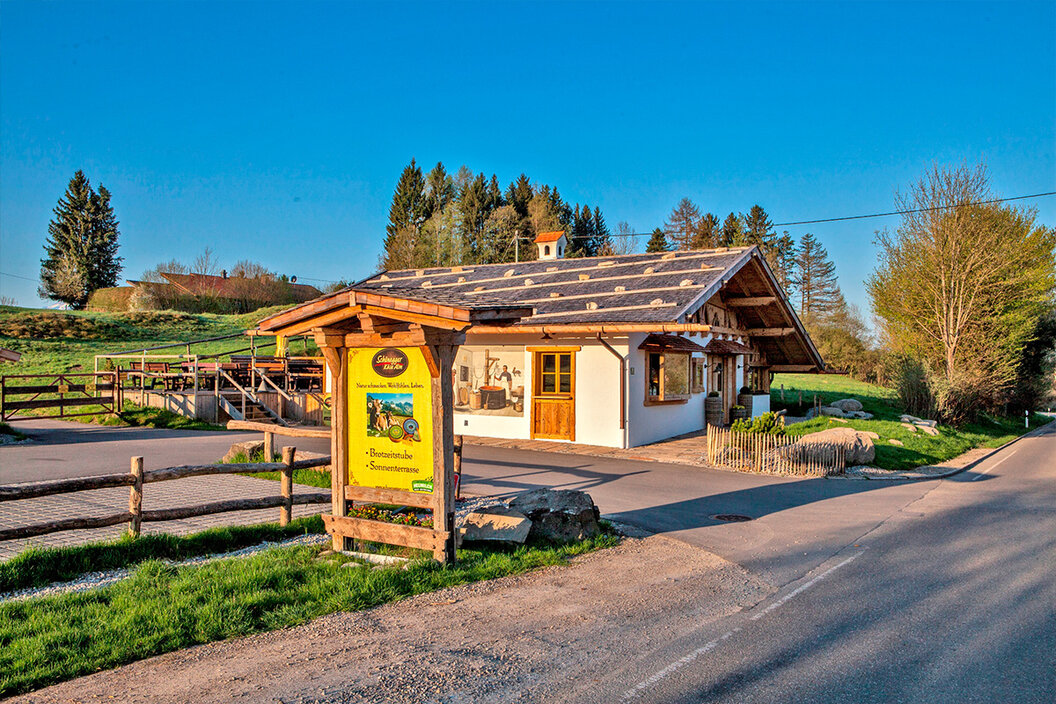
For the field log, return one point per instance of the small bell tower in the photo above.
(551, 244)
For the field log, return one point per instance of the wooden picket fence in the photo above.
(774, 454)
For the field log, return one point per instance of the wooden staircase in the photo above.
(231, 403)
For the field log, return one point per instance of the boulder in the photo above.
(860, 415)
(910, 427)
(906, 418)
(858, 444)
(560, 515)
(929, 429)
(496, 523)
(899, 443)
(247, 448)
(847, 405)
(833, 411)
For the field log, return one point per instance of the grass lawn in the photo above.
(919, 449)
(150, 417)
(308, 477)
(162, 608)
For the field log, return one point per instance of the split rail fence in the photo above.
(137, 477)
(774, 454)
(71, 394)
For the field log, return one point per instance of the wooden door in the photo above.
(554, 395)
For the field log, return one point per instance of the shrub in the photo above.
(766, 424)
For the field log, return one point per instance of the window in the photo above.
(555, 373)
(546, 250)
(668, 378)
(697, 367)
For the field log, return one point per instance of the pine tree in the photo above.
(681, 225)
(732, 234)
(495, 199)
(782, 260)
(657, 243)
(581, 233)
(707, 233)
(815, 279)
(81, 246)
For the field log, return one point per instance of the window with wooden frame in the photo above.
(668, 379)
(554, 372)
(697, 366)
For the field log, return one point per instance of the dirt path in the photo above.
(535, 637)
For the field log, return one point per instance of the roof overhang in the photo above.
(351, 308)
(669, 343)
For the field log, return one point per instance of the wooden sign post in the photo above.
(392, 406)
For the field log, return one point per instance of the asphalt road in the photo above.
(938, 591)
(951, 598)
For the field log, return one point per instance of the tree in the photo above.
(439, 189)
(500, 229)
(732, 234)
(205, 263)
(782, 259)
(681, 226)
(407, 214)
(960, 286)
(519, 194)
(544, 215)
(602, 237)
(758, 229)
(623, 242)
(81, 247)
(657, 242)
(815, 278)
(708, 233)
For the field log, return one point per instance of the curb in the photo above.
(955, 470)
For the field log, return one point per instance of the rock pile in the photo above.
(913, 424)
(560, 515)
(844, 408)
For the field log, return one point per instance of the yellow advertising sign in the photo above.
(390, 417)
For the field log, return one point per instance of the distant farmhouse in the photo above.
(203, 293)
(619, 351)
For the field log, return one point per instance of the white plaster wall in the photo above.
(652, 423)
(597, 392)
(760, 404)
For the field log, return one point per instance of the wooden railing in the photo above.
(773, 454)
(137, 477)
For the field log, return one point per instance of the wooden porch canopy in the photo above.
(354, 318)
(672, 343)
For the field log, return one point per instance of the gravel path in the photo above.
(95, 580)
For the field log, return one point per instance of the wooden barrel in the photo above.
(713, 410)
(745, 399)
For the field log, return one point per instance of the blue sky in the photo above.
(276, 131)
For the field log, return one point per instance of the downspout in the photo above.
(623, 385)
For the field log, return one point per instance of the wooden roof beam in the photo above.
(751, 301)
(770, 332)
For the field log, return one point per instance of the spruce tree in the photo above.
(657, 243)
(758, 229)
(519, 194)
(708, 232)
(439, 190)
(407, 214)
(681, 225)
(81, 247)
(732, 234)
(815, 279)
(602, 236)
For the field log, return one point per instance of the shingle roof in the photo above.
(657, 341)
(640, 288)
(550, 236)
(726, 347)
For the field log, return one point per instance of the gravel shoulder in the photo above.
(531, 637)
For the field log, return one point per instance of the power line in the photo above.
(16, 276)
(872, 215)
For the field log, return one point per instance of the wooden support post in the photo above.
(269, 447)
(443, 453)
(135, 497)
(458, 466)
(286, 510)
(338, 357)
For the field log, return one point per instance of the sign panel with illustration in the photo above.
(390, 416)
(489, 380)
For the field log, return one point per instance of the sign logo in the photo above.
(389, 362)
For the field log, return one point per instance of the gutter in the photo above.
(623, 384)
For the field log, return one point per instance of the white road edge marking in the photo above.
(993, 466)
(694, 654)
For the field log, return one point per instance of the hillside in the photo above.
(916, 449)
(67, 341)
